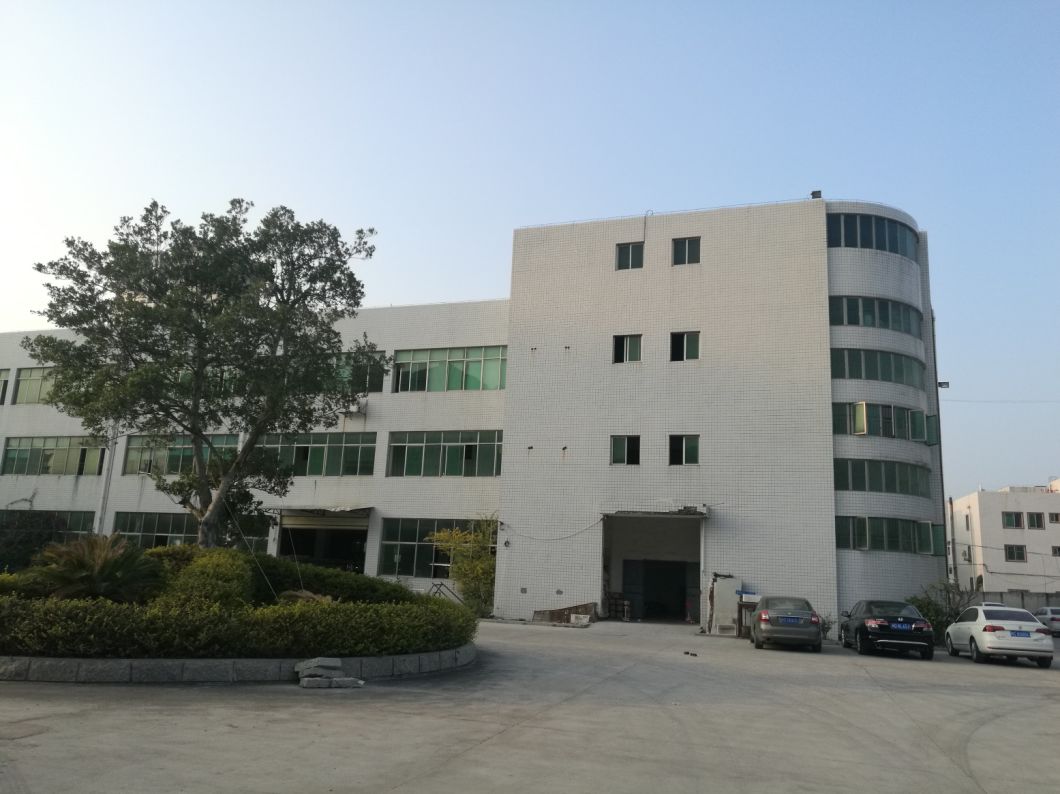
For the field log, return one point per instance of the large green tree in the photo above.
(191, 330)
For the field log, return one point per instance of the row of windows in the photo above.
(858, 230)
(881, 476)
(325, 454)
(72, 521)
(684, 346)
(32, 385)
(173, 529)
(53, 455)
(630, 256)
(683, 450)
(1013, 520)
(454, 453)
(146, 456)
(877, 365)
(889, 534)
(451, 369)
(875, 313)
(885, 421)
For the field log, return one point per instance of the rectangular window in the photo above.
(626, 348)
(1054, 518)
(835, 237)
(364, 377)
(877, 535)
(839, 363)
(625, 450)
(684, 346)
(449, 453)
(1015, 553)
(858, 480)
(407, 551)
(853, 311)
(1012, 520)
(146, 455)
(868, 312)
(172, 529)
(835, 310)
(686, 250)
(1035, 520)
(841, 418)
(684, 450)
(850, 230)
(451, 369)
(4, 374)
(854, 369)
(68, 522)
(1056, 551)
(923, 537)
(324, 454)
(861, 532)
(881, 233)
(33, 385)
(865, 221)
(629, 256)
(34, 455)
(843, 540)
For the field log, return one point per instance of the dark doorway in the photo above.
(336, 548)
(661, 589)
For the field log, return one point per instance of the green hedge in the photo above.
(202, 629)
(340, 585)
(221, 576)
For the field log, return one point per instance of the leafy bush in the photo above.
(8, 584)
(174, 559)
(220, 576)
(472, 561)
(94, 566)
(941, 603)
(340, 585)
(202, 629)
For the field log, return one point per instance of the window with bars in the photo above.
(684, 450)
(451, 369)
(686, 250)
(684, 345)
(629, 256)
(626, 348)
(54, 455)
(625, 450)
(325, 454)
(33, 385)
(149, 455)
(445, 453)
(405, 550)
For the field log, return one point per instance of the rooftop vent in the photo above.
(815, 194)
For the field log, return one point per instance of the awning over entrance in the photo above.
(701, 513)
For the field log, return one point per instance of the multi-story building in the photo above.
(746, 392)
(1007, 543)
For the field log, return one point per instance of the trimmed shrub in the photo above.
(198, 629)
(221, 576)
(174, 559)
(340, 585)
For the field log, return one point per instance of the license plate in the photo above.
(789, 620)
(902, 626)
(1019, 634)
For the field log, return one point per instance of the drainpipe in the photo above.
(953, 545)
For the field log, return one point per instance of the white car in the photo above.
(1006, 632)
(1050, 616)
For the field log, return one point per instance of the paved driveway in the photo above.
(612, 708)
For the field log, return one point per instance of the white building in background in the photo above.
(1009, 540)
(745, 394)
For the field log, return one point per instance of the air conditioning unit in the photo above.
(355, 407)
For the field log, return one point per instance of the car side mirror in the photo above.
(844, 614)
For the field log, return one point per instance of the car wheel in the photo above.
(977, 656)
(928, 653)
(861, 644)
(1044, 662)
(757, 640)
(949, 647)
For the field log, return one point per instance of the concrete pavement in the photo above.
(615, 707)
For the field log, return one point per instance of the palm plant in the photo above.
(96, 566)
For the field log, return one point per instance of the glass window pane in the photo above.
(872, 365)
(622, 257)
(414, 461)
(850, 230)
(881, 233)
(637, 258)
(876, 534)
(316, 461)
(633, 348)
(455, 381)
(367, 463)
(834, 233)
(840, 418)
(835, 310)
(407, 561)
(853, 311)
(397, 462)
(842, 532)
(491, 374)
(432, 460)
(868, 312)
(839, 363)
(883, 310)
(473, 376)
(618, 449)
(691, 449)
(436, 371)
(693, 250)
(892, 236)
(486, 457)
(866, 231)
(424, 560)
(454, 460)
(679, 252)
(875, 470)
(854, 364)
(692, 345)
(841, 474)
(857, 475)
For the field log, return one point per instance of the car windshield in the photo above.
(788, 603)
(888, 608)
(1009, 614)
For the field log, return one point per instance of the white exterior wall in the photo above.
(442, 325)
(759, 398)
(981, 539)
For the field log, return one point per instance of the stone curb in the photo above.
(222, 671)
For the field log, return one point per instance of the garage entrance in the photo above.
(334, 538)
(652, 566)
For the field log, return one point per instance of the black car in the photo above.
(887, 625)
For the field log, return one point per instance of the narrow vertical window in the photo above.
(850, 230)
(835, 236)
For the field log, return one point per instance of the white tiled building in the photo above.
(1011, 539)
(747, 392)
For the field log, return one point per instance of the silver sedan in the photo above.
(786, 620)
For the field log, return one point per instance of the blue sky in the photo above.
(446, 125)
